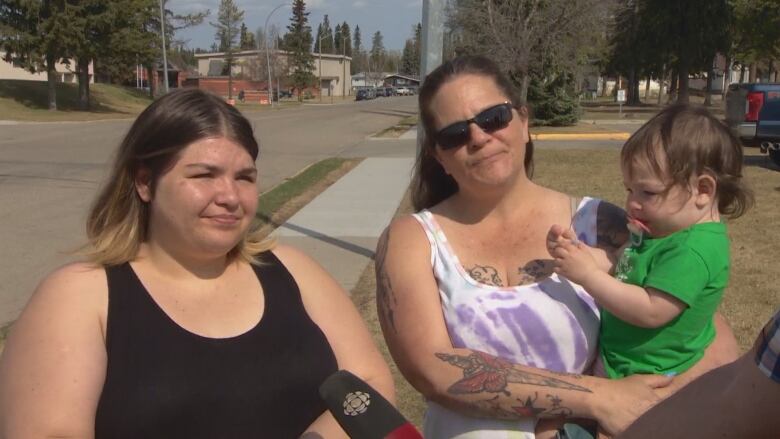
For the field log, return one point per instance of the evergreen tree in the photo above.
(417, 52)
(227, 31)
(247, 40)
(377, 57)
(552, 103)
(337, 39)
(34, 34)
(407, 58)
(346, 37)
(357, 48)
(324, 40)
(298, 40)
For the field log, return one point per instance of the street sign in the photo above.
(621, 95)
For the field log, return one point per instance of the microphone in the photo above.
(362, 411)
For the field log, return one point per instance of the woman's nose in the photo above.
(477, 136)
(227, 192)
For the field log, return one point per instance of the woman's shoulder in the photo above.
(77, 278)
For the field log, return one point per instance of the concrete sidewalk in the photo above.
(341, 226)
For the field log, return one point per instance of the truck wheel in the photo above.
(774, 154)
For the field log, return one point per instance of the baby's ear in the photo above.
(706, 190)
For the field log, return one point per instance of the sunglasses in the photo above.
(491, 120)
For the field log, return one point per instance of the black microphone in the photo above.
(362, 411)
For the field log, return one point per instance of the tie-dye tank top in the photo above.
(552, 324)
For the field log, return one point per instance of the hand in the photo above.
(573, 259)
(558, 235)
(622, 401)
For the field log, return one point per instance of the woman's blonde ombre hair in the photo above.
(118, 219)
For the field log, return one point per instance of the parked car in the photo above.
(365, 94)
(403, 91)
(390, 91)
(380, 92)
(753, 112)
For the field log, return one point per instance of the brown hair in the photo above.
(430, 184)
(118, 220)
(691, 141)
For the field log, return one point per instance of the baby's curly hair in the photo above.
(683, 141)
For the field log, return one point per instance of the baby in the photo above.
(682, 171)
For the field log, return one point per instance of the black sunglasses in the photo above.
(493, 119)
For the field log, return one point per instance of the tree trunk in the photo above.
(661, 80)
(673, 87)
(708, 88)
(82, 67)
(742, 74)
(752, 73)
(647, 90)
(633, 96)
(726, 78)
(682, 81)
(51, 79)
(150, 81)
(230, 80)
(769, 71)
(524, 81)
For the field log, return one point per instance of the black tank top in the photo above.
(163, 381)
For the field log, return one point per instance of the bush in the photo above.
(553, 102)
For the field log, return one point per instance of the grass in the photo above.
(401, 127)
(28, 101)
(273, 200)
(752, 295)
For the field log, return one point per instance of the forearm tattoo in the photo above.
(485, 274)
(483, 373)
(611, 230)
(385, 298)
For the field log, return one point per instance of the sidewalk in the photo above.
(341, 226)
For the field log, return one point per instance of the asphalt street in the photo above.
(49, 173)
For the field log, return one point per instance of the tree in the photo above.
(337, 39)
(357, 48)
(327, 37)
(247, 40)
(410, 59)
(227, 30)
(377, 57)
(346, 38)
(527, 38)
(298, 41)
(33, 34)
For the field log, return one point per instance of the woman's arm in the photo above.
(471, 382)
(54, 363)
(332, 310)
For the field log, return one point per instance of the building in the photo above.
(396, 80)
(65, 73)
(251, 66)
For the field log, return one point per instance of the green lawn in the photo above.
(28, 101)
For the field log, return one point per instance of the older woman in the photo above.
(470, 307)
(182, 321)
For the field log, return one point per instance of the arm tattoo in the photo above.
(486, 373)
(485, 274)
(611, 230)
(385, 298)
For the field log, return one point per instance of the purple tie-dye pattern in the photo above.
(580, 343)
(500, 295)
(538, 335)
(465, 314)
(491, 343)
(524, 357)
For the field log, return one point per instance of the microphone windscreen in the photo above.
(362, 411)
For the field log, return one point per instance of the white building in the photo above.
(65, 73)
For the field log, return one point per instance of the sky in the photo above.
(393, 18)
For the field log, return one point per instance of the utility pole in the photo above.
(165, 56)
(319, 70)
(344, 66)
(431, 52)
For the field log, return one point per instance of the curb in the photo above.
(581, 136)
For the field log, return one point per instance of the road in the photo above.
(49, 173)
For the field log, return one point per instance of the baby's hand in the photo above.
(557, 235)
(572, 258)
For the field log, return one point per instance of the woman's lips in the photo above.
(225, 219)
